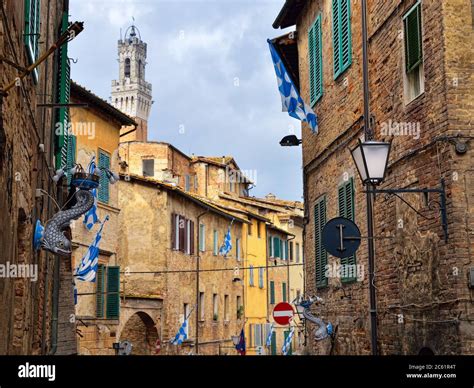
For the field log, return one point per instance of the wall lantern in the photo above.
(290, 141)
(371, 159)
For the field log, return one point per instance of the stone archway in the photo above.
(141, 331)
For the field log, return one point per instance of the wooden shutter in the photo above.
(192, 238)
(100, 283)
(321, 258)
(113, 292)
(32, 31)
(173, 231)
(315, 61)
(104, 162)
(342, 41)
(182, 233)
(413, 38)
(346, 209)
(272, 292)
(276, 247)
(274, 344)
(283, 291)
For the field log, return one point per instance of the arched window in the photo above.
(140, 68)
(127, 67)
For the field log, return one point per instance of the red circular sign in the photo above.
(283, 313)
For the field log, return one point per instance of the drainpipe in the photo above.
(198, 259)
(288, 265)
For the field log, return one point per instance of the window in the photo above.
(341, 29)
(186, 311)
(139, 68)
(283, 292)
(260, 277)
(108, 292)
(148, 167)
(187, 183)
(32, 32)
(202, 313)
(237, 248)
(346, 209)
(270, 246)
(127, 68)
(215, 307)
(290, 249)
(272, 292)
(215, 249)
(414, 74)
(284, 249)
(315, 45)
(258, 334)
(297, 252)
(251, 282)
(259, 225)
(202, 237)
(321, 256)
(226, 307)
(182, 234)
(276, 247)
(104, 163)
(249, 228)
(239, 306)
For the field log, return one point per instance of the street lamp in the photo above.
(290, 141)
(371, 159)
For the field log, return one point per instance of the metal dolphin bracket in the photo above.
(323, 330)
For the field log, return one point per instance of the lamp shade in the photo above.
(371, 159)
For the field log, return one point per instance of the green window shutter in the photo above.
(63, 96)
(71, 156)
(100, 282)
(283, 291)
(104, 162)
(32, 31)
(276, 247)
(321, 256)
(342, 40)
(274, 344)
(315, 61)
(272, 292)
(413, 38)
(113, 292)
(347, 210)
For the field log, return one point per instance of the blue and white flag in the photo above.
(287, 344)
(182, 334)
(269, 336)
(290, 98)
(91, 218)
(87, 270)
(227, 246)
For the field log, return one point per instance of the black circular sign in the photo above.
(341, 237)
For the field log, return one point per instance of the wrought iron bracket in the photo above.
(441, 190)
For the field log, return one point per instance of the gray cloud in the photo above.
(198, 51)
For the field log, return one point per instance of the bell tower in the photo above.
(131, 93)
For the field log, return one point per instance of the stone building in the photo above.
(169, 250)
(421, 81)
(131, 93)
(35, 310)
(96, 132)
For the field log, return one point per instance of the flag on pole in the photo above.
(91, 218)
(240, 347)
(287, 344)
(290, 98)
(269, 336)
(182, 334)
(227, 245)
(87, 270)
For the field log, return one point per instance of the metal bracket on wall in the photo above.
(441, 190)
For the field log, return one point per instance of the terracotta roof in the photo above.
(204, 202)
(259, 202)
(274, 227)
(160, 143)
(280, 202)
(220, 161)
(80, 93)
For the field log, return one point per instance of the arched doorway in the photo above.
(140, 330)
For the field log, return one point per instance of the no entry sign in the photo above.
(283, 313)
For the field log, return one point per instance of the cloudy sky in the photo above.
(212, 74)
